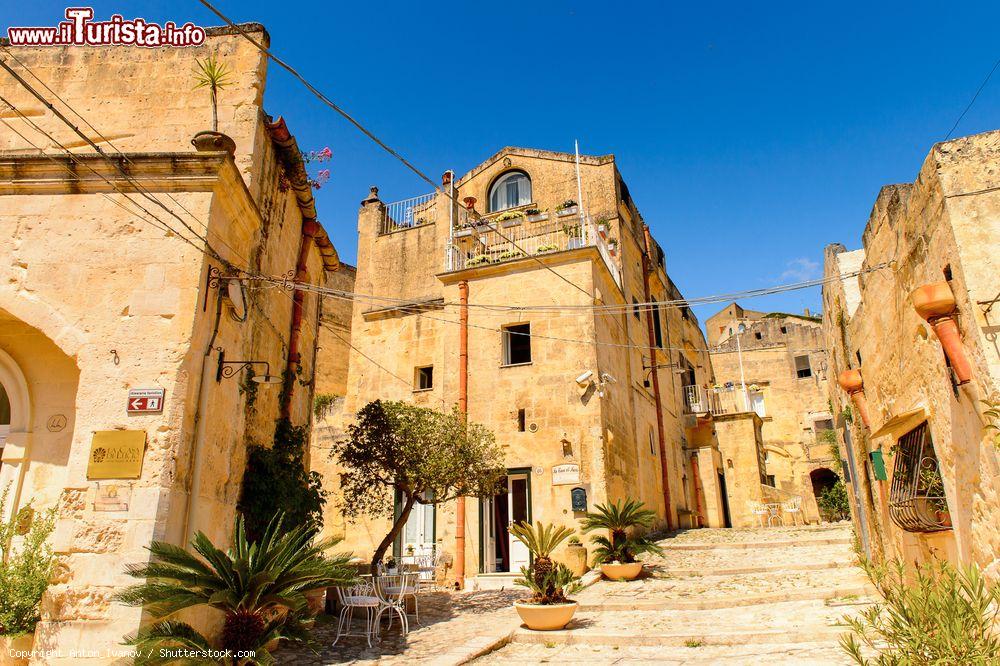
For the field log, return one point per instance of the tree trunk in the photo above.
(215, 111)
(396, 527)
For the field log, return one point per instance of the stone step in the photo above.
(864, 591)
(778, 568)
(749, 545)
(762, 636)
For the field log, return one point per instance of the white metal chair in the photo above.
(392, 592)
(758, 509)
(773, 513)
(360, 596)
(793, 507)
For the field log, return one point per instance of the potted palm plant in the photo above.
(215, 76)
(549, 607)
(260, 587)
(617, 552)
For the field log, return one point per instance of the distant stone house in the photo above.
(914, 372)
(586, 401)
(775, 365)
(98, 299)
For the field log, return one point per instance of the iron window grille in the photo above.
(917, 501)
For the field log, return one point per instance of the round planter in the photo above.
(546, 618)
(629, 571)
(209, 141)
(933, 300)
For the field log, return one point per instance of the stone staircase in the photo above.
(751, 596)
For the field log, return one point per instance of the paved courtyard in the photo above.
(771, 595)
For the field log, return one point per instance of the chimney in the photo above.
(807, 312)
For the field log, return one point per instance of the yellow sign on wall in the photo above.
(116, 454)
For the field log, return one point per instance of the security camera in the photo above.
(605, 377)
(584, 379)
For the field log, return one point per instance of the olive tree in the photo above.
(426, 456)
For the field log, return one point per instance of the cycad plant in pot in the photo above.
(211, 74)
(260, 587)
(550, 582)
(617, 552)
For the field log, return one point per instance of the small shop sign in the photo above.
(145, 401)
(116, 454)
(566, 474)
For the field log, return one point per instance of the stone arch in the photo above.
(822, 478)
(14, 382)
(42, 316)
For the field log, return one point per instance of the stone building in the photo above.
(586, 402)
(914, 371)
(774, 364)
(98, 299)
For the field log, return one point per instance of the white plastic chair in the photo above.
(793, 507)
(392, 592)
(360, 596)
(758, 509)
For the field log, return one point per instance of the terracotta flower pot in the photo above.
(935, 302)
(854, 384)
(546, 618)
(208, 141)
(628, 571)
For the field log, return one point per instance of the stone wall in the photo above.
(945, 225)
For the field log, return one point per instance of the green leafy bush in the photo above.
(25, 566)
(322, 403)
(276, 480)
(259, 586)
(834, 503)
(936, 615)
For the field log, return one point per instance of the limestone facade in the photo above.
(945, 226)
(600, 434)
(96, 299)
(782, 361)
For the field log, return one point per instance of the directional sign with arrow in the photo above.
(145, 401)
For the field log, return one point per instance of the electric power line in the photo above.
(973, 100)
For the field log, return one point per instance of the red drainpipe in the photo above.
(697, 490)
(309, 229)
(647, 269)
(463, 408)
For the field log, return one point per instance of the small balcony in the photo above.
(723, 400)
(514, 235)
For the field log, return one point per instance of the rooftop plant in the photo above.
(211, 74)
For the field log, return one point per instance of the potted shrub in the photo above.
(511, 218)
(550, 247)
(613, 246)
(575, 234)
(567, 207)
(508, 255)
(549, 608)
(536, 215)
(477, 260)
(616, 553)
(25, 566)
(214, 76)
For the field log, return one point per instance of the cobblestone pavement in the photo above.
(787, 610)
(448, 620)
(781, 606)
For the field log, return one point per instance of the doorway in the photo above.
(727, 520)
(501, 552)
(417, 537)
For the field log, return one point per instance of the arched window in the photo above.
(510, 190)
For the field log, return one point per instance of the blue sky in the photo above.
(750, 134)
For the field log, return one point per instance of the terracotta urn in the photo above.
(576, 559)
(546, 618)
(470, 202)
(935, 302)
(619, 571)
(210, 141)
(854, 384)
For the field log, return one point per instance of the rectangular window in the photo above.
(802, 367)
(652, 449)
(823, 424)
(424, 378)
(635, 307)
(784, 330)
(520, 420)
(917, 500)
(770, 480)
(657, 326)
(516, 344)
